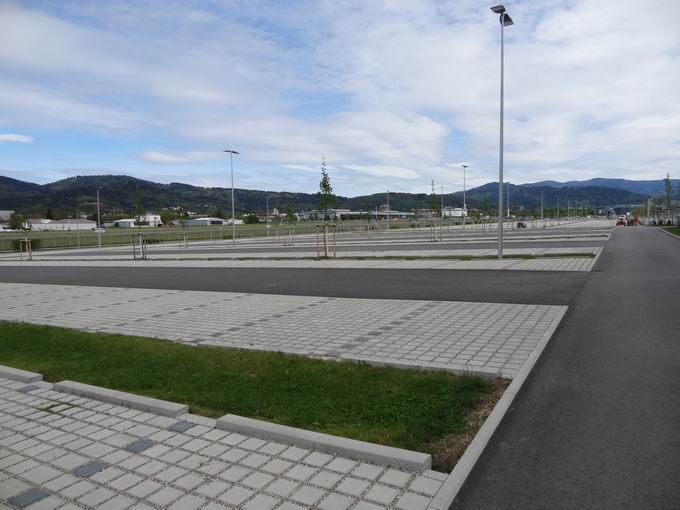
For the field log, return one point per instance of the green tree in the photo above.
(49, 214)
(668, 189)
(486, 206)
(167, 216)
(434, 202)
(17, 221)
(219, 213)
(290, 216)
(250, 219)
(325, 197)
(139, 208)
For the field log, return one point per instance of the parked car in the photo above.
(621, 222)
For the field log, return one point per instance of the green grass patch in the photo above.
(402, 408)
(673, 230)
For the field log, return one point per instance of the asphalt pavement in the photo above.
(524, 287)
(597, 424)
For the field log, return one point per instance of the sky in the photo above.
(394, 94)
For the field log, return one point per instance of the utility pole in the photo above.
(267, 217)
(541, 205)
(387, 213)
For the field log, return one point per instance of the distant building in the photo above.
(207, 221)
(4, 215)
(148, 220)
(454, 212)
(40, 224)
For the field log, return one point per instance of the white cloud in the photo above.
(11, 137)
(390, 92)
(186, 157)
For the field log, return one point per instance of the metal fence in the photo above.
(283, 234)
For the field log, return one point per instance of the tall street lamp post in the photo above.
(233, 209)
(505, 21)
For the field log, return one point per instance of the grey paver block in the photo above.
(325, 479)
(307, 495)
(97, 496)
(189, 482)
(86, 470)
(382, 494)
(139, 446)
(257, 480)
(165, 496)
(235, 496)
(181, 426)
(77, 489)
(353, 486)
(411, 501)
(335, 501)
(119, 502)
(281, 487)
(213, 489)
(396, 478)
(143, 489)
(188, 502)
(369, 471)
(425, 485)
(261, 502)
(28, 497)
(125, 482)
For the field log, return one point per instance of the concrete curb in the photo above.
(359, 450)
(667, 233)
(449, 490)
(162, 407)
(16, 374)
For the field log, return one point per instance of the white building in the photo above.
(208, 221)
(454, 212)
(4, 215)
(40, 224)
(148, 220)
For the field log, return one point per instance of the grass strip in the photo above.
(402, 408)
(673, 230)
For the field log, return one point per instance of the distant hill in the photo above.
(649, 188)
(64, 197)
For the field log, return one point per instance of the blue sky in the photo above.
(394, 93)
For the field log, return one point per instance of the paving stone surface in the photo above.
(41, 427)
(564, 263)
(486, 338)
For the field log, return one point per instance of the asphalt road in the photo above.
(597, 424)
(539, 287)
